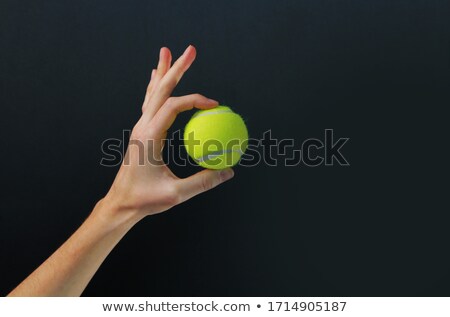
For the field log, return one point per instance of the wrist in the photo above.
(114, 216)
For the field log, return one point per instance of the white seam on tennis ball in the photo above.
(202, 114)
(218, 153)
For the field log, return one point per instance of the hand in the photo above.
(144, 185)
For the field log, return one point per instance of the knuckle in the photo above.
(151, 86)
(169, 84)
(136, 133)
(173, 106)
(152, 132)
(207, 183)
(169, 101)
(172, 196)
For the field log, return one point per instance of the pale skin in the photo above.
(139, 190)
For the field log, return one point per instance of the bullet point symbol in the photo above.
(259, 306)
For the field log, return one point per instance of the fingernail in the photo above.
(226, 174)
(187, 49)
(212, 101)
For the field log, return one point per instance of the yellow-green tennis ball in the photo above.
(216, 138)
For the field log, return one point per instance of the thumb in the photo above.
(203, 181)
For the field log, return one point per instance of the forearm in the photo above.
(68, 271)
(141, 188)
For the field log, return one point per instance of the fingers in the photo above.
(165, 60)
(165, 85)
(202, 182)
(165, 117)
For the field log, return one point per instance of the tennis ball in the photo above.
(216, 138)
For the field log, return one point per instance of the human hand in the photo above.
(145, 185)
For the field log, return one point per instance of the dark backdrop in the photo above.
(73, 73)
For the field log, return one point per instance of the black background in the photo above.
(73, 73)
